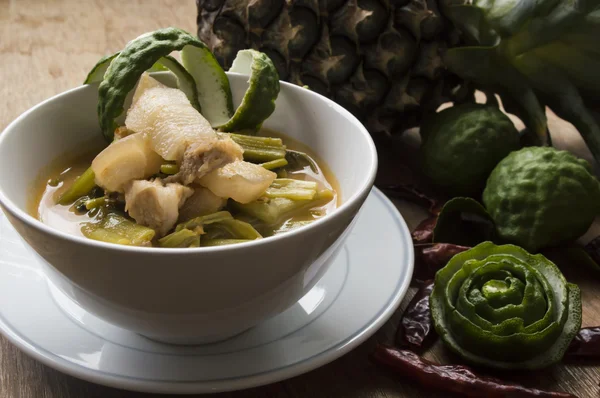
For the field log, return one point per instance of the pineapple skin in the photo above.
(381, 60)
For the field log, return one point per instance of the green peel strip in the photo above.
(259, 100)
(503, 308)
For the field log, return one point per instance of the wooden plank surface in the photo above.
(48, 47)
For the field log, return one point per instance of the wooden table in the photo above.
(47, 47)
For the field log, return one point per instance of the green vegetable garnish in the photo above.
(181, 238)
(501, 307)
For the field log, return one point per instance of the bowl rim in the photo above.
(338, 213)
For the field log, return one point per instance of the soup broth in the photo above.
(75, 218)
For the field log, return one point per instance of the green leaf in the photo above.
(464, 221)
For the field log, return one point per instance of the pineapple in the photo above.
(391, 62)
(381, 60)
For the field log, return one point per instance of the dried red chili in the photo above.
(585, 344)
(416, 329)
(412, 194)
(424, 231)
(453, 378)
(429, 258)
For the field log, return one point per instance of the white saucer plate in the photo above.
(355, 297)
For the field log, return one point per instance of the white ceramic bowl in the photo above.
(197, 295)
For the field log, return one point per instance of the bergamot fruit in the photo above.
(541, 196)
(462, 144)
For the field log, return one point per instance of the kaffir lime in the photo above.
(462, 144)
(541, 196)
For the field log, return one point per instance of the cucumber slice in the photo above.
(214, 93)
(98, 71)
(259, 100)
(138, 56)
(185, 81)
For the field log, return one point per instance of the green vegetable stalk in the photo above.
(260, 149)
(81, 186)
(274, 210)
(501, 307)
(291, 189)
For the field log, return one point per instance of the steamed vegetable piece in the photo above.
(231, 229)
(114, 228)
(199, 223)
(81, 186)
(273, 211)
(501, 307)
(181, 238)
(240, 181)
(220, 225)
(124, 160)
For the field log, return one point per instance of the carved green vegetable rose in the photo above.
(501, 307)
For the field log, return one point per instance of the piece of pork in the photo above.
(129, 158)
(201, 158)
(154, 204)
(201, 203)
(177, 131)
(241, 181)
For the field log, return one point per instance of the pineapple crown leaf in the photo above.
(533, 54)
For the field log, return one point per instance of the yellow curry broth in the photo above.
(65, 170)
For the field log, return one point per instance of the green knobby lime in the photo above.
(540, 197)
(462, 144)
